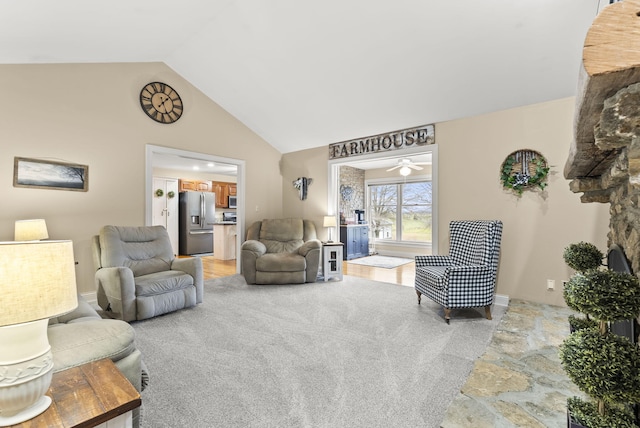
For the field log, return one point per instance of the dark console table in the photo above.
(355, 238)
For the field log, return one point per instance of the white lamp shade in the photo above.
(30, 230)
(37, 280)
(329, 221)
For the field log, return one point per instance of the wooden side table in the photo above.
(332, 260)
(95, 394)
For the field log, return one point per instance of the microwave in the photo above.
(232, 202)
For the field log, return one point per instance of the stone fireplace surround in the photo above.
(612, 174)
(604, 159)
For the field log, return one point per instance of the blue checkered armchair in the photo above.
(466, 278)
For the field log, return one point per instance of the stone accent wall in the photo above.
(617, 136)
(351, 191)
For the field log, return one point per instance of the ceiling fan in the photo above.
(406, 165)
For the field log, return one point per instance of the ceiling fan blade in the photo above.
(414, 166)
(395, 167)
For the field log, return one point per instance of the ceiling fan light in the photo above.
(405, 170)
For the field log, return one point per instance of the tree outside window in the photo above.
(401, 211)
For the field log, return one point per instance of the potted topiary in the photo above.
(581, 257)
(605, 366)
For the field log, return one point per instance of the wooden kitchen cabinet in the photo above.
(222, 194)
(223, 190)
(194, 185)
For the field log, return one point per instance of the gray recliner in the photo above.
(281, 251)
(138, 276)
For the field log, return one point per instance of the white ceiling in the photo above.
(304, 74)
(192, 164)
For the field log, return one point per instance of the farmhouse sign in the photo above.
(395, 140)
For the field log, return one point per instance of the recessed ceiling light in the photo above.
(210, 164)
(195, 168)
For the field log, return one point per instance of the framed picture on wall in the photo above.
(46, 174)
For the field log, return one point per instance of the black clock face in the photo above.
(161, 102)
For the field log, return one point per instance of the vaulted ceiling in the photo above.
(304, 74)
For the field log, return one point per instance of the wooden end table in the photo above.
(95, 394)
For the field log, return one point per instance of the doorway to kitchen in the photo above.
(155, 155)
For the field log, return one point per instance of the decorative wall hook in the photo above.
(302, 184)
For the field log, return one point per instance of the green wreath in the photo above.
(170, 194)
(517, 181)
(159, 193)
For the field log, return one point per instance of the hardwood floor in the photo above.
(402, 275)
(213, 268)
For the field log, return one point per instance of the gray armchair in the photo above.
(281, 251)
(138, 276)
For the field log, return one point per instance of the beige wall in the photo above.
(90, 114)
(537, 226)
(312, 164)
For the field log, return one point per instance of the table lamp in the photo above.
(330, 222)
(37, 281)
(30, 230)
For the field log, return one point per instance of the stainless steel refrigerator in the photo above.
(196, 216)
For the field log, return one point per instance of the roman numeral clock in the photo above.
(161, 102)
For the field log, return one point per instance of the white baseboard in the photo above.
(501, 300)
(388, 253)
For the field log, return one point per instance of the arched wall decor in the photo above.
(346, 192)
(524, 170)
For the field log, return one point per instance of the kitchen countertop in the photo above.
(224, 223)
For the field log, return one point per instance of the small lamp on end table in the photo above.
(30, 230)
(330, 222)
(37, 281)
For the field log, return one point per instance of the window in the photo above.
(401, 212)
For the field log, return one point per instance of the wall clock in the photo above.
(161, 102)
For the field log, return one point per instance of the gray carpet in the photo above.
(351, 353)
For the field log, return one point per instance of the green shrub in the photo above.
(603, 365)
(606, 366)
(583, 256)
(577, 323)
(604, 294)
(586, 414)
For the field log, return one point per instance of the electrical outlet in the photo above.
(551, 284)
